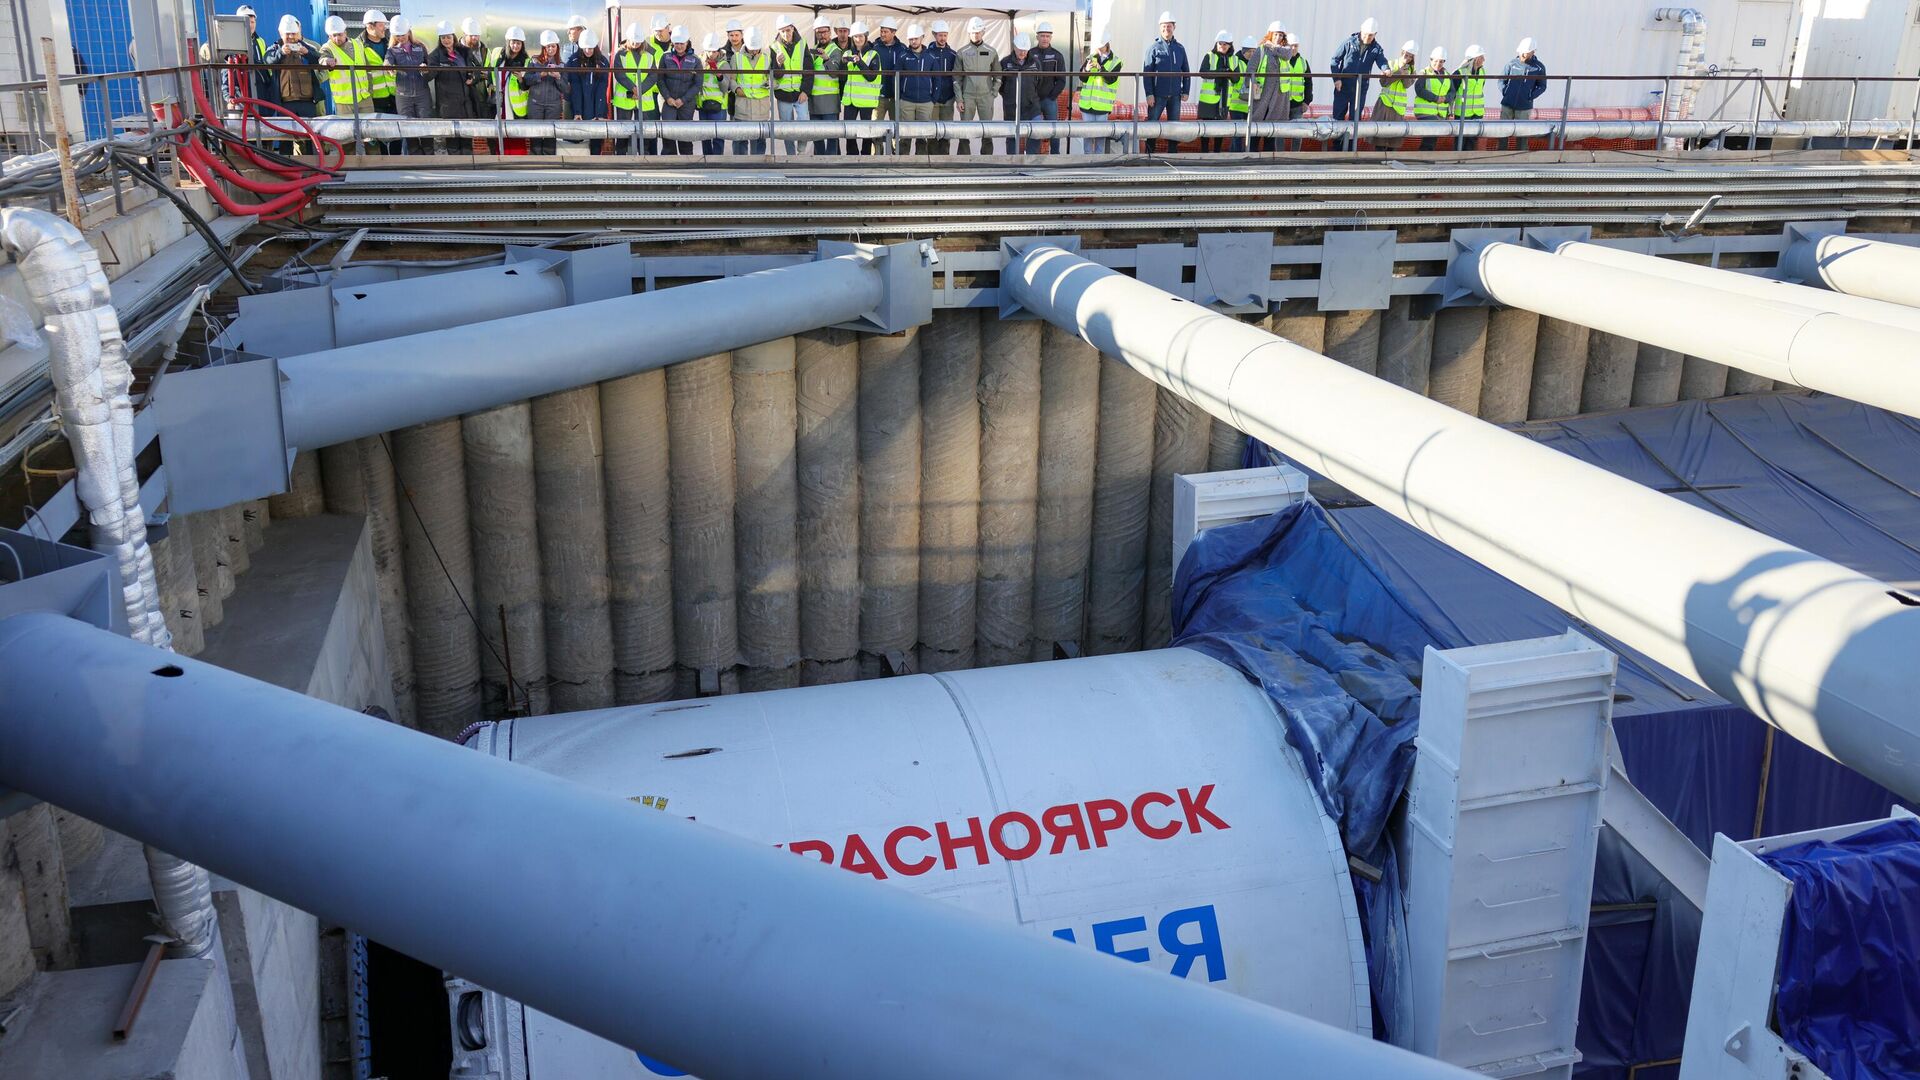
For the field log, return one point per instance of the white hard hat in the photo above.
(710, 43)
(589, 38)
(445, 29)
(576, 22)
(635, 35)
(548, 37)
(1370, 26)
(1439, 53)
(1104, 37)
(782, 23)
(820, 23)
(336, 25)
(246, 9)
(514, 33)
(290, 24)
(1022, 41)
(914, 31)
(734, 24)
(372, 17)
(1274, 27)
(975, 26)
(888, 22)
(1475, 52)
(401, 25)
(659, 22)
(1224, 37)
(940, 27)
(1410, 46)
(470, 27)
(752, 37)
(1044, 28)
(859, 29)
(1166, 16)
(679, 36)
(1296, 41)
(1248, 42)
(1526, 46)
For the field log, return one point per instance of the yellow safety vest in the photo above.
(653, 50)
(1210, 93)
(792, 64)
(863, 90)
(1395, 97)
(516, 94)
(383, 83)
(633, 62)
(1437, 85)
(348, 86)
(1098, 93)
(825, 82)
(710, 92)
(1471, 104)
(752, 83)
(1295, 84)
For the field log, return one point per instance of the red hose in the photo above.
(198, 162)
(236, 178)
(288, 196)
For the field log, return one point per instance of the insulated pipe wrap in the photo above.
(1406, 346)
(633, 417)
(1181, 433)
(1559, 370)
(567, 456)
(1070, 373)
(1512, 338)
(889, 496)
(1010, 397)
(504, 513)
(700, 426)
(1459, 370)
(950, 350)
(827, 449)
(1122, 494)
(380, 502)
(1353, 338)
(430, 472)
(767, 513)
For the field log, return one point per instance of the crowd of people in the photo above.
(842, 70)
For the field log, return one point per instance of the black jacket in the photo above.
(1049, 59)
(1020, 87)
(447, 73)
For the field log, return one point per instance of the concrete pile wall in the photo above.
(835, 506)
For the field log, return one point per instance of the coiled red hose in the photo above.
(283, 198)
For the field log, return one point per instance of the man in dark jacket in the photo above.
(587, 91)
(889, 46)
(1526, 80)
(1046, 58)
(1020, 90)
(916, 90)
(945, 90)
(1358, 58)
(1165, 92)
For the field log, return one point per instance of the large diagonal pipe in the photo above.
(1869, 362)
(1855, 266)
(358, 390)
(1817, 650)
(1767, 289)
(718, 955)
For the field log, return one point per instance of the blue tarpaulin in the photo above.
(1849, 993)
(1839, 479)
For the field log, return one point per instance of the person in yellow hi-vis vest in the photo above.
(630, 67)
(509, 64)
(752, 88)
(1220, 70)
(1470, 91)
(1100, 87)
(715, 89)
(861, 97)
(1396, 88)
(1433, 93)
(789, 74)
(349, 84)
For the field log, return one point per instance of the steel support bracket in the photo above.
(1463, 276)
(222, 436)
(906, 274)
(1231, 271)
(1356, 270)
(1797, 263)
(596, 273)
(1548, 238)
(1013, 247)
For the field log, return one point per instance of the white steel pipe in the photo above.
(1770, 290)
(718, 955)
(344, 129)
(1869, 362)
(1817, 650)
(347, 393)
(1858, 267)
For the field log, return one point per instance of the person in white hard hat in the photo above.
(658, 44)
(917, 89)
(946, 87)
(1239, 99)
(1165, 92)
(627, 69)
(842, 34)
(1220, 70)
(508, 63)
(1470, 91)
(412, 98)
(710, 104)
(256, 82)
(826, 66)
(979, 64)
(752, 88)
(480, 91)
(1100, 87)
(789, 74)
(587, 82)
(576, 25)
(1276, 67)
(1525, 80)
(1046, 59)
(546, 79)
(291, 63)
(860, 97)
(349, 82)
(888, 44)
(1433, 93)
(1020, 90)
(676, 79)
(1396, 89)
(451, 73)
(375, 34)
(1358, 58)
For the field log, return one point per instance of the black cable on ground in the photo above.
(199, 223)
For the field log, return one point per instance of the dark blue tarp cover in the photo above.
(1849, 994)
(1839, 479)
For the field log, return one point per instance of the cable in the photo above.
(199, 223)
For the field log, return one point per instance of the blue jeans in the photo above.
(1050, 108)
(790, 110)
(1168, 108)
(1096, 146)
(1349, 104)
(713, 147)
